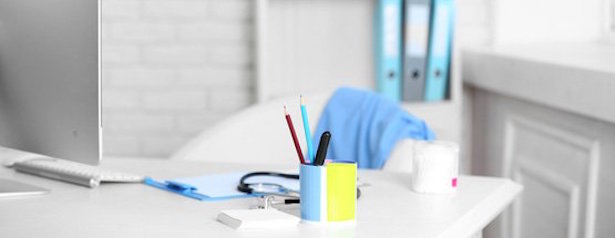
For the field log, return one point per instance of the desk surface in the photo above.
(387, 207)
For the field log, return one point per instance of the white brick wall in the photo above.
(174, 67)
(170, 69)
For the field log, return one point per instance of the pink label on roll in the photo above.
(454, 182)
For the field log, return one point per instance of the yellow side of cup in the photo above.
(341, 191)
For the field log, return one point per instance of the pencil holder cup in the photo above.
(328, 193)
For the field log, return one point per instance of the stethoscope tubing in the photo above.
(245, 187)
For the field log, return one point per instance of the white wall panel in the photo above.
(316, 45)
(533, 21)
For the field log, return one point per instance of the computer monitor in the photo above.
(50, 78)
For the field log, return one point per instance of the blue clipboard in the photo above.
(215, 187)
(188, 190)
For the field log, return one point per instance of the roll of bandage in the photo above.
(435, 167)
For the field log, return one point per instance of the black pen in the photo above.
(321, 154)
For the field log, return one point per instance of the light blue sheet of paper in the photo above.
(225, 185)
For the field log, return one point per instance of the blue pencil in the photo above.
(308, 134)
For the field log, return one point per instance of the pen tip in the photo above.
(285, 111)
(301, 99)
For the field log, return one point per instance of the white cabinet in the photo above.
(563, 161)
(564, 158)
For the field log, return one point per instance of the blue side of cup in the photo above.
(311, 181)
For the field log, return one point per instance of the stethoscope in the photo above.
(265, 189)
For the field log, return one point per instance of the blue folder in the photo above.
(416, 40)
(439, 54)
(387, 39)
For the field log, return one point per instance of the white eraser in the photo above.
(241, 219)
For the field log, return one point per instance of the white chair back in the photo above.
(259, 135)
(256, 135)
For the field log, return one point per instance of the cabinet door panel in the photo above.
(564, 160)
(556, 164)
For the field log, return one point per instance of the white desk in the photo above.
(387, 207)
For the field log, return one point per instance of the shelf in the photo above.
(304, 47)
(578, 78)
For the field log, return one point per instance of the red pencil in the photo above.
(294, 135)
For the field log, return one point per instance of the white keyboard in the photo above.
(72, 172)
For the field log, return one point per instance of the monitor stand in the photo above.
(13, 188)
